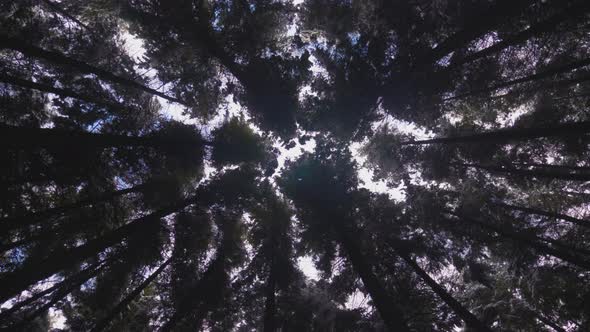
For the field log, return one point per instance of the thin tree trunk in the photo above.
(555, 167)
(58, 91)
(534, 77)
(572, 12)
(65, 14)
(568, 248)
(548, 322)
(8, 224)
(122, 306)
(81, 274)
(584, 77)
(512, 134)
(34, 270)
(532, 173)
(530, 241)
(478, 25)
(470, 319)
(61, 59)
(59, 295)
(576, 221)
(389, 311)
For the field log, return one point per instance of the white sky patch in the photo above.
(133, 45)
(307, 266)
(57, 319)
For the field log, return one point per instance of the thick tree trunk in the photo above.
(8, 224)
(532, 173)
(26, 138)
(66, 93)
(479, 24)
(572, 12)
(457, 307)
(531, 241)
(389, 311)
(34, 269)
(122, 306)
(58, 58)
(534, 77)
(579, 222)
(513, 134)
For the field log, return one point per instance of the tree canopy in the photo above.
(309, 165)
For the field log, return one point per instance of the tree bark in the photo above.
(470, 319)
(512, 134)
(576, 221)
(122, 306)
(389, 311)
(61, 59)
(36, 269)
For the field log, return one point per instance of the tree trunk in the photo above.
(61, 59)
(534, 77)
(469, 318)
(584, 77)
(389, 311)
(122, 306)
(26, 138)
(555, 167)
(513, 134)
(531, 241)
(59, 295)
(66, 93)
(532, 173)
(479, 24)
(65, 14)
(579, 222)
(36, 269)
(548, 322)
(81, 274)
(8, 224)
(572, 12)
